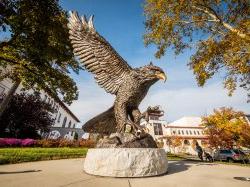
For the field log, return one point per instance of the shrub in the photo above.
(25, 116)
(2, 142)
(65, 143)
(46, 143)
(10, 142)
(28, 142)
(87, 143)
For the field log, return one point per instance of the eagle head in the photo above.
(152, 73)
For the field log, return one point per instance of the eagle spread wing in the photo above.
(96, 54)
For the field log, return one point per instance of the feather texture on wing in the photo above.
(96, 54)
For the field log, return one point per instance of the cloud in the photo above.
(195, 101)
(92, 101)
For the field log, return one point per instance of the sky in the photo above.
(122, 24)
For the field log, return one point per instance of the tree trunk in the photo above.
(8, 97)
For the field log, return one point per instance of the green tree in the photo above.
(226, 128)
(219, 29)
(37, 52)
(26, 116)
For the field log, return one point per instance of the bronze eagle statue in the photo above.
(111, 72)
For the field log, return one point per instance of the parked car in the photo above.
(231, 155)
(246, 151)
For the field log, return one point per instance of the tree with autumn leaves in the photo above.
(218, 31)
(226, 128)
(173, 142)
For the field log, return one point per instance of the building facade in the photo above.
(65, 122)
(178, 136)
(183, 134)
(153, 123)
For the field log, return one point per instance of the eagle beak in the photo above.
(161, 76)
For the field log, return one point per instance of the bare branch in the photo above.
(197, 21)
(216, 31)
(212, 15)
(23, 65)
(216, 18)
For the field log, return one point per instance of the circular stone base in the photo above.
(126, 162)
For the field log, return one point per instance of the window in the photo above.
(154, 117)
(174, 132)
(198, 132)
(179, 132)
(56, 116)
(69, 124)
(182, 132)
(190, 132)
(187, 132)
(225, 151)
(64, 122)
(237, 151)
(157, 129)
(195, 132)
(186, 142)
(2, 90)
(45, 98)
(59, 118)
(2, 94)
(74, 125)
(53, 104)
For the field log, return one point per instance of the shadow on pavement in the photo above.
(206, 164)
(177, 166)
(17, 172)
(243, 178)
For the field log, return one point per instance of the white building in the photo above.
(154, 124)
(186, 130)
(65, 122)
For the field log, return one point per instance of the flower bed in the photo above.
(13, 142)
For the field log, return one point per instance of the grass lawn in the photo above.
(17, 155)
(173, 157)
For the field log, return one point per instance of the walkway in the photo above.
(69, 173)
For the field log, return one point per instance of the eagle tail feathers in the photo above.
(103, 123)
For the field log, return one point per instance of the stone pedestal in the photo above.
(126, 162)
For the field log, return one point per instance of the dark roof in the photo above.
(155, 111)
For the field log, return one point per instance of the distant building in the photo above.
(154, 124)
(187, 129)
(65, 122)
